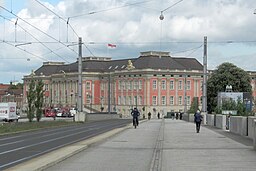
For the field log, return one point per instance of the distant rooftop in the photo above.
(154, 53)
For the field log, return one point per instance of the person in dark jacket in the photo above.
(198, 119)
(135, 114)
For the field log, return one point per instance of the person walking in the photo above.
(149, 115)
(158, 115)
(198, 119)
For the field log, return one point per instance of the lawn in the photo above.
(14, 127)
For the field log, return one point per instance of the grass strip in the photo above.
(14, 127)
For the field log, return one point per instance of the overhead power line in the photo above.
(171, 6)
(109, 9)
(37, 29)
(43, 44)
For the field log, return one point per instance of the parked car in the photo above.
(50, 112)
(63, 112)
(72, 111)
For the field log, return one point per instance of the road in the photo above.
(15, 149)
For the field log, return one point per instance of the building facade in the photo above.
(155, 81)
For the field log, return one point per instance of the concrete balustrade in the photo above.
(221, 121)
(210, 120)
(251, 126)
(254, 137)
(238, 125)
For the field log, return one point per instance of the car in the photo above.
(72, 111)
(63, 112)
(50, 112)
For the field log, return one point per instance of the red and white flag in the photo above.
(111, 45)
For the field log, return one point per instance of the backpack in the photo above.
(198, 117)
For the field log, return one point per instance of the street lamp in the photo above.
(254, 11)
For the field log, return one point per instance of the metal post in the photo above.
(109, 106)
(185, 94)
(80, 91)
(204, 98)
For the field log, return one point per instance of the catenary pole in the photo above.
(204, 98)
(80, 90)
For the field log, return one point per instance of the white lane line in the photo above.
(54, 148)
(11, 143)
(43, 142)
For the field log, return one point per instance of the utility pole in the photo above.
(80, 91)
(109, 95)
(204, 98)
(185, 93)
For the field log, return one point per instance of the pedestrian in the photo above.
(181, 116)
(149, 115)
(158, 115)
(198, 119)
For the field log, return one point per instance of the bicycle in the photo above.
(135, 124)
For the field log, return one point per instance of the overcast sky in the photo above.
(42, 34)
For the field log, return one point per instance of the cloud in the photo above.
(133, 28)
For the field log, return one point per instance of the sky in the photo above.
(37, 31)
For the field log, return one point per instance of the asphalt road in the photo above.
(15, 149)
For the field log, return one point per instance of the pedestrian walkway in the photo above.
(164, 145)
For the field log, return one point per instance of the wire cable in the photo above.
(35, 39)
(37, 29)
(172, 6)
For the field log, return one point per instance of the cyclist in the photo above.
(135, 114)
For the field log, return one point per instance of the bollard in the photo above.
(254, 137)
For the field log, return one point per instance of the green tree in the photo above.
(194, 105)
(226, 74)
(31, 98)
(39, 92)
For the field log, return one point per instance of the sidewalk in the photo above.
(167, 145)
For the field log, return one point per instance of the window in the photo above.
(154, 84)
(140, 84)
(140, 100)
(163, 85)
(46, 87)
(180, 100)
(124, 100)
(130, 85)
(130, 100)
(180, 85)
(135, 85)
(154, 100)
(201, 85)
(188, 100)
(101, 86)
(135, 100)
(172, 85)
(171, 100)
(163, 100)
(88, 85)
(188, 85)
(119, 85)
(119, 100)
(123, 85)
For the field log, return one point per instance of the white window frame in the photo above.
(171, 100)
(163, 99)
(154, 84)
(163, 84)
(188, 100)
(180, 100)
(154, 100)
(180, 84)
(140, 84)
(188, 85)
(171, 85)
(88, 85)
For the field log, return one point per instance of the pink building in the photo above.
(155, 81)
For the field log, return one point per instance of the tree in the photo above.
(194, 105)
(226, 74)
(31, 98)
(39, 92)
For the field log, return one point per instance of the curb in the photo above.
(52, 158)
